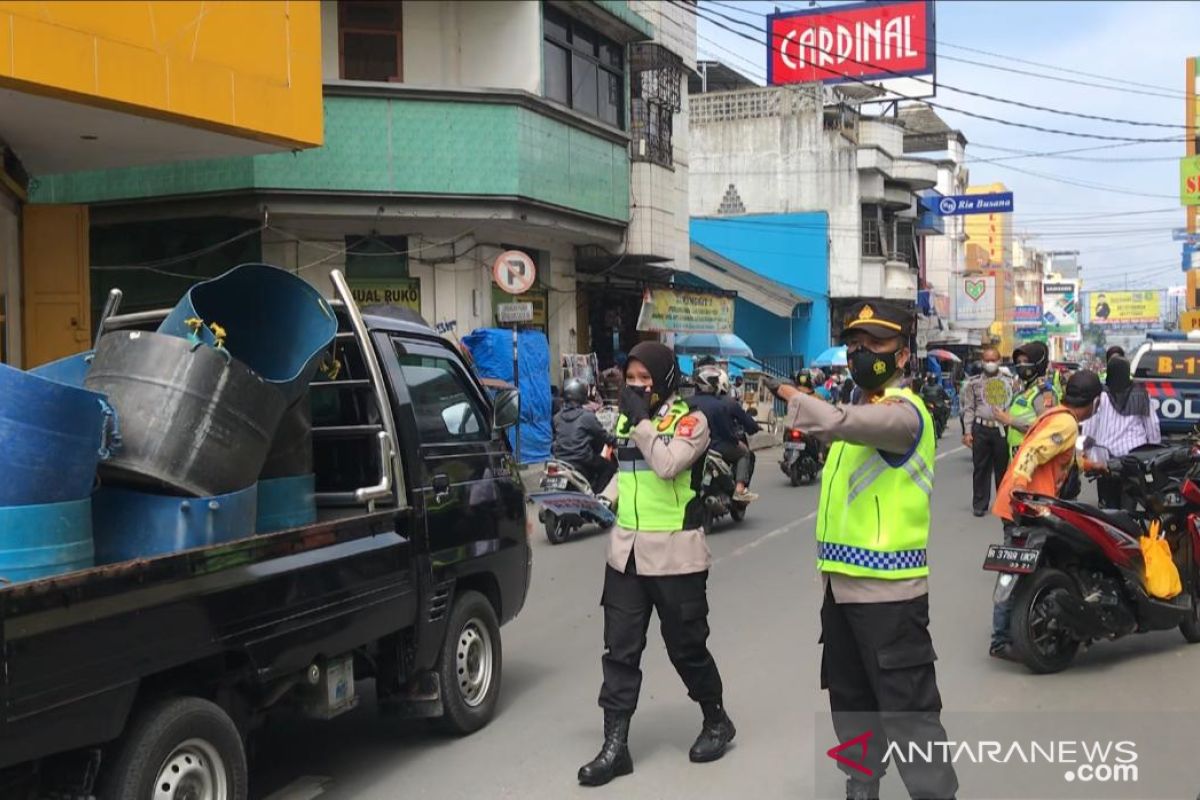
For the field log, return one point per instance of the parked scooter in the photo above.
(1075, 571)
(716, 492)
(803, 456)
(560, 519)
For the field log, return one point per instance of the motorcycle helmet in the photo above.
(711, 379)
(575, 391)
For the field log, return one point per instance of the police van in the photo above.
(1170, 371)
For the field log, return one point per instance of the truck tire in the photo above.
(182, 747)
(470, 665)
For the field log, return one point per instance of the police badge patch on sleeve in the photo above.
(686, 427)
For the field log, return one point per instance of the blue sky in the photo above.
(1142, 45)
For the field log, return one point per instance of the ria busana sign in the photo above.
(878, 43)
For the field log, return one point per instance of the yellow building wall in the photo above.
(250, 69)
(990, 232)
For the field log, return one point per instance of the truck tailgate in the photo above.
(75, 647)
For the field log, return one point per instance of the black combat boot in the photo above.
(862, 790)
(715, 736)
(614, 759)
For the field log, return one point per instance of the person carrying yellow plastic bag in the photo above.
(1161, 577)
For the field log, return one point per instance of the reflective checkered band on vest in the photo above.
(871, 559)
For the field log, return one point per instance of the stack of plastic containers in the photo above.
(202, 401)
(53, 433)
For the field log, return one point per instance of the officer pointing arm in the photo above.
(872, 533)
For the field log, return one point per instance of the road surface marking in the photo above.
(304, 788)
(950, 452)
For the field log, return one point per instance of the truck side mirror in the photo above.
(506, 409)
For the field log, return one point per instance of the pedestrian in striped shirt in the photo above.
(1122, 423)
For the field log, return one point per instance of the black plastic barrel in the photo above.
(291, 452)
(194, 420)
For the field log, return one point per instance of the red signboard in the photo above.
(867, 41)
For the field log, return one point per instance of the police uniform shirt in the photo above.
(681, 552)
(893, 426)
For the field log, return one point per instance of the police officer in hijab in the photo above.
(658, 561)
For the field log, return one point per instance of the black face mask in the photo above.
(871, 370)
(1026, 372)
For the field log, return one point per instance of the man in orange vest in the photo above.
(1040, 466)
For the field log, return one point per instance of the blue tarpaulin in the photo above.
(491, 350)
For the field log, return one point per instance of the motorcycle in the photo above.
(803, 456)
(716, 492)
(940, 411)
(1074, 572)
(560, 515)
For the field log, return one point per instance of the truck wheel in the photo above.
(1042, 645)
(183, 748)
(470, 665)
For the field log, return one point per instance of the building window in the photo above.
(872, 231)
(370, 40)
(655, 78)
(582, 69)
(906, 242)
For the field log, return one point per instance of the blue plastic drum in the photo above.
(44, 540)
(128, 524)
(286, 503)
(52, 436)
(275, 322)
(70, 370)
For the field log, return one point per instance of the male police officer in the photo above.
(872, 531)
(982, 397)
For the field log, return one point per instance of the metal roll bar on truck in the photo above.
(143, 679)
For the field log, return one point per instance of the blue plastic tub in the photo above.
(286, 503)
(70, 370)
(52, 436)
(128, 524)
(275, 322)
(44, 540)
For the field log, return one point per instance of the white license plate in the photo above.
(555, 483)
(794, 446)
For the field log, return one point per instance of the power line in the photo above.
(968, 92)
(1172, 93)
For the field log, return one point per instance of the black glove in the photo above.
(634, 405)
(773, 384)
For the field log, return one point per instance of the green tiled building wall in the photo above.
(397, 146)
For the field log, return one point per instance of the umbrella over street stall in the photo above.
(833, 357)
(712, 344)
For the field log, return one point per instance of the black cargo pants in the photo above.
(877, 665)
(682, 605)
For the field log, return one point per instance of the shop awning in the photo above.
(718, 270)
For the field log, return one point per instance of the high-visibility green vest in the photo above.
(1022, 407)
(873, 517)
(646, 502)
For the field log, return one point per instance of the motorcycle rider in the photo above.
(729, 424)
(1041, 465)
(579, 437)
(658, 561)
(933, 394)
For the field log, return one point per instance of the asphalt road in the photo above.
(764, 597)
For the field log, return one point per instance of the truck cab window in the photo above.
(445, 409)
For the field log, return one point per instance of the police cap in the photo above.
(879, 319)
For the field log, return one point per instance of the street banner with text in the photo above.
(675, 311)
(1124, 308)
